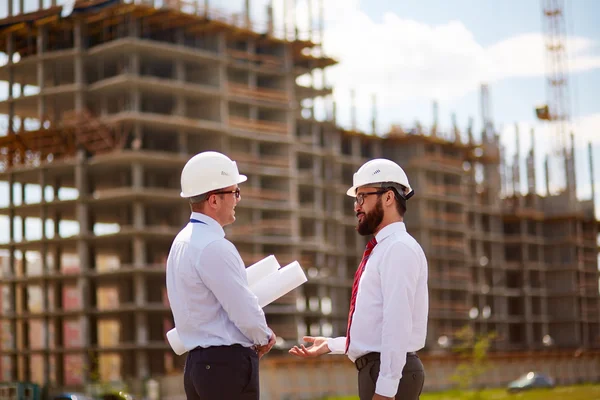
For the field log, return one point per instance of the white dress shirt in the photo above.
(392, 304)
(208, 289)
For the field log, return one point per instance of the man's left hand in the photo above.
(380, 397)
(262, 350)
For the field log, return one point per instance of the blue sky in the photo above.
(410, 53)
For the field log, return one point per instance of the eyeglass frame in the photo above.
(360, 197)
(236, 192)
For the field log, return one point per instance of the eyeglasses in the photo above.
(236, 192)
(360, 198)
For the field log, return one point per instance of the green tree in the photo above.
(473, 352)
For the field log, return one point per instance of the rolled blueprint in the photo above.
(175, 342)
(262, 269)
(267, 287)
(279, 283)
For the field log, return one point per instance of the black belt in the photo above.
(224, 347)
(361, 362)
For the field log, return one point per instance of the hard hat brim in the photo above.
(241, 179)
(352, 191)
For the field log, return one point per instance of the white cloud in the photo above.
(399, 55)
(399, 58)
(524, 55)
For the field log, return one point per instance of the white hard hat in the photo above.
(377, 171)
(209, 171)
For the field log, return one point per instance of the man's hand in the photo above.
(319, 346)
(262, 350)
(380, 397)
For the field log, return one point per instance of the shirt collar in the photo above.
(214, 225)
(390, 229)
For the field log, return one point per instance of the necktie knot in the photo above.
(371, 244)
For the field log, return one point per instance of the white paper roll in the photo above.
(267, 287)
(262, 269)
(279, 283)
(175, 342)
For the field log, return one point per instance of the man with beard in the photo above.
(218, 318)
(387, 322)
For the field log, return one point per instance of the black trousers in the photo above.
(221, 373)
(411, 383)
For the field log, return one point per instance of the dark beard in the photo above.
(371, 220)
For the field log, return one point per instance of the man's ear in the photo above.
(212, 201)
(389, 197)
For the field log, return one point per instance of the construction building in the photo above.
(106, 104)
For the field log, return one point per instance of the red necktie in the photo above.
(357, 276)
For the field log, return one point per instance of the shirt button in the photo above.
(208, 367)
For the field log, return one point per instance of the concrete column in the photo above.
(134, 27)
(141, 322)
(252, 79)
(138, 216)
(585, 334)
(180, 70)
(23, 226)
(139, 252)
(11, 271)
(10, 44)
(44, 208)
(134, 63)
(138, 135)
(289, 87)
(319, 199)
(57, 215)
(182, 142)
(45, 303)
(136, 100)
(224, 105)
(139, 260)
(11, 205)
(83, 250)
(253, 112)
(79, 65)
(528, 320)
(41, 49)
(137, 175)
(180, 106)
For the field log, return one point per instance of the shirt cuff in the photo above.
(337, 345)
(387, 386)
(270, 333)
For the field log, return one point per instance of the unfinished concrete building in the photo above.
(105, 106)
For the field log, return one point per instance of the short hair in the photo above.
(199, 198)
(399, 191)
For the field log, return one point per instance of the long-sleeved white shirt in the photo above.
(392, 305)
(208, 289)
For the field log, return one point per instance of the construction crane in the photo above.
(557, 109)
